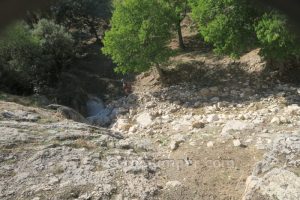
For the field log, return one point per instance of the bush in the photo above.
(18, 53)
(56, 46)
(139, 36)
(226, 24)
(36, 57)
(276, 40)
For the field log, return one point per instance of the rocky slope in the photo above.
(45, 157)
(234, 138)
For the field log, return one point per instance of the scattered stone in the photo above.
(279, 120)
(275, 120)
(122, 124)
(144, 119)
(124, 144)
(173, 184)
(210, 144)
(133, 129)
(187, 161)
(236, 126)
(198, 125)
(237, 143)
(176, 141)
(212, 118)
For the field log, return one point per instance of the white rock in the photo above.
(279, 120)
(122, 124)
(144, 119)
(236, 125)
(237, 143)
(174, 145)
(276, 184)
(173, 184)
(133, 129)
(210, 144)
(249, 140)
(213, 118)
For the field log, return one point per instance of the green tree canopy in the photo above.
(227, 24)
(139, 35)
(35, 56)
(276, 39)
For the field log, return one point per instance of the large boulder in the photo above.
(68, 112)
(277, 175)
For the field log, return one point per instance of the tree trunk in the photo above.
(180, 37)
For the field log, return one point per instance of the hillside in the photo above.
(231, 139)
(206, 104)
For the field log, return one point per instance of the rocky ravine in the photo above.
(228, 141)
(45, 157)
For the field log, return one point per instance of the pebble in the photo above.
(173, 184)
(237, 143)
(210, 144)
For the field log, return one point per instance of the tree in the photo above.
(82, 14)
(140, 32)
(18, 53)
(181, 8)
(227, 24)
(56, 46)
(34, 58)
(276, 39)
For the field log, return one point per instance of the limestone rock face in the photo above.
(270, 179)
(43, 156)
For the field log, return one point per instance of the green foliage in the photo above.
(276, 40)
(36, 57)
(227, 24)
(56, 47)
(17, 55)
(55, 42)
(140, 32)
(180, 7)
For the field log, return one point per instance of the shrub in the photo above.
(18, 53)
(227, 24)
(276, 39)
(57, 49)
(34, 58)
(139, 36)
